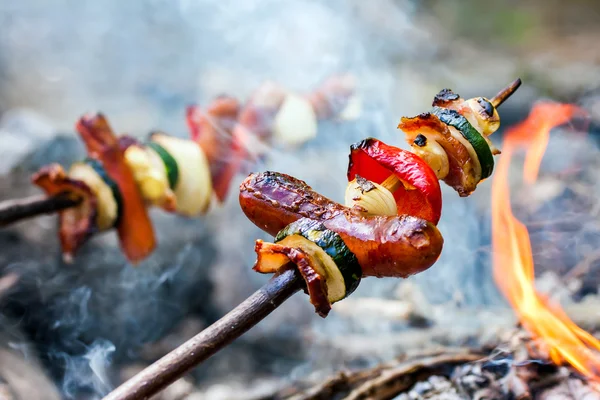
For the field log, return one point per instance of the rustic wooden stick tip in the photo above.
(199, 348)
(505, 93)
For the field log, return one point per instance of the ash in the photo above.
(76, 331)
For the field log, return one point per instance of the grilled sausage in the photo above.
(385, 246)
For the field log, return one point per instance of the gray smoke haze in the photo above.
(141, 63)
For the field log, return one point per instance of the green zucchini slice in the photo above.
(481, 147)
(110, 202)
(170, 163)
(347, 280)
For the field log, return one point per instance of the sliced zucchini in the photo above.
(92, 173)
(323, 264)
(193, 189)
(169, 161)
(474, 138)
(333, 246)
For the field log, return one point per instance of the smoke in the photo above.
(141, 63)
(88, 373)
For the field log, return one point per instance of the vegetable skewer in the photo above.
(319, 236)
(122, 177)
(391, 233)
(451, 140)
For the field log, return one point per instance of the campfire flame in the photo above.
(512, 255)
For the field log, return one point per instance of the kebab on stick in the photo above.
(122, 176)
(326, 248)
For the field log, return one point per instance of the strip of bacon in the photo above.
(77, 224)
(460, 176)
(136, 234)
(269, 255)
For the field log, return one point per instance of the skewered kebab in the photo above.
(393, 202)
(122, 176)
(232, 134)
(329, 245)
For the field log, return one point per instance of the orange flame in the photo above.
(513, 259)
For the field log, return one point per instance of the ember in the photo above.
(513, 259)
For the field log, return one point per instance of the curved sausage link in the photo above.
(386, 246)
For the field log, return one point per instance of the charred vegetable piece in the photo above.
(456, 168)
(330, 269)
(193, 191)
(419, 195)
(482, 149)
(479, 111)
(136, 234)
(486, 119)
(432, 153)
(170, 163)
(332, 244)
(108, 195)
(150, 176)
(369, 198)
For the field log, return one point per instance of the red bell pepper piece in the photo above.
(136, 234)
(420, 194)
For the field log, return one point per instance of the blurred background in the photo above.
(79, 330)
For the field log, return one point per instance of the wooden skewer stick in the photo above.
(177, 363)
(181, 360)
(15, 210)
(505, 93)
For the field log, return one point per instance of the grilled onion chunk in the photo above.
(369, 198)
(330, 269)
(193, 186)
(108, 196)
(154, 171)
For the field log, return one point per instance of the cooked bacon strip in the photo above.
(316, 286)
(460, 175)
(77, 224)
(135, 230)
